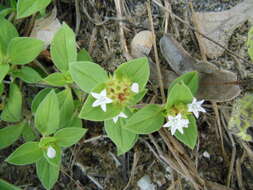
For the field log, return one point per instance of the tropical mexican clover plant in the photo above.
(108, 97)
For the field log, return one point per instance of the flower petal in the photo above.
(95, 95)
(103, 93)
(115, 119)
(135, 87)
(103, 107)
(96, 103)
(51, 152)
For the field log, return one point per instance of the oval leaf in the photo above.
(38, 98)
(137, 70)
(145, 121)
(56, 79)
(10, 134)
(7, 186)
(13, 109)
(47, 116)
(27, 74)
(47, 173)
(179, 93)
(67, 107)
(63, 48)
(83, 55)
(68, 136)
(190, 135)
(22, 50)
(4, 69)
(28, 7)
(87, 75)
(27, 153)
(190, 79)
(7, 33)
(122, 138)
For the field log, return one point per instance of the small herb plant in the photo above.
(82, 90)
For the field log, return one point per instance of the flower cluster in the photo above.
(178, 122)
(116, 91)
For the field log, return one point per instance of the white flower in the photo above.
(195, 107)
(135, 87)
(176, 123)
(101, 99)
(51, 153)
(115, 119)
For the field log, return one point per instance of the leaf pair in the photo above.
(182, 90)
(90, 77)
(63, 52)
(15, 50)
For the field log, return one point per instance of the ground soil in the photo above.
(97, 159)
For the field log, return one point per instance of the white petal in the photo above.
(170, 117)
(96, 103)
(178, 116)
(107, 100)
(51, 153)
(135, 87)
(103, 93)
(181, 130)
(123, 115)
(103, 107)
(173, 130)
(202, 110)
(166, 124)
(95, 95)
(115, 119)
(196, 113)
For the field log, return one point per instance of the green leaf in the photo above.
(7, 33)
(68, 136)
(23, 50)
(28, 133)
(27, 74)
(87, 75)
(38, 98)
(190, 135)
(74, 121)
(83, 55)
(122, 138)
(4, 185)
(1, 88)
(56, 79)
(10, 134)
(66, 106)
(137, 70)
(26, 8)
(145, 121)
(179, 93)
(5, 12)
(250, 43)
(190, 79)
(27, 153)
(96, 113)
(56, 161)
(12, 111)
(137, 98)
(4, 69)
(63, 48)
(47, 173)
(47, 117)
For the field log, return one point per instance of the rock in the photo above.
(145, 183)
(45, 28)
(142, 44)
(219, 26)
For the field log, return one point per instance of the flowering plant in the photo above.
(81, 89)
